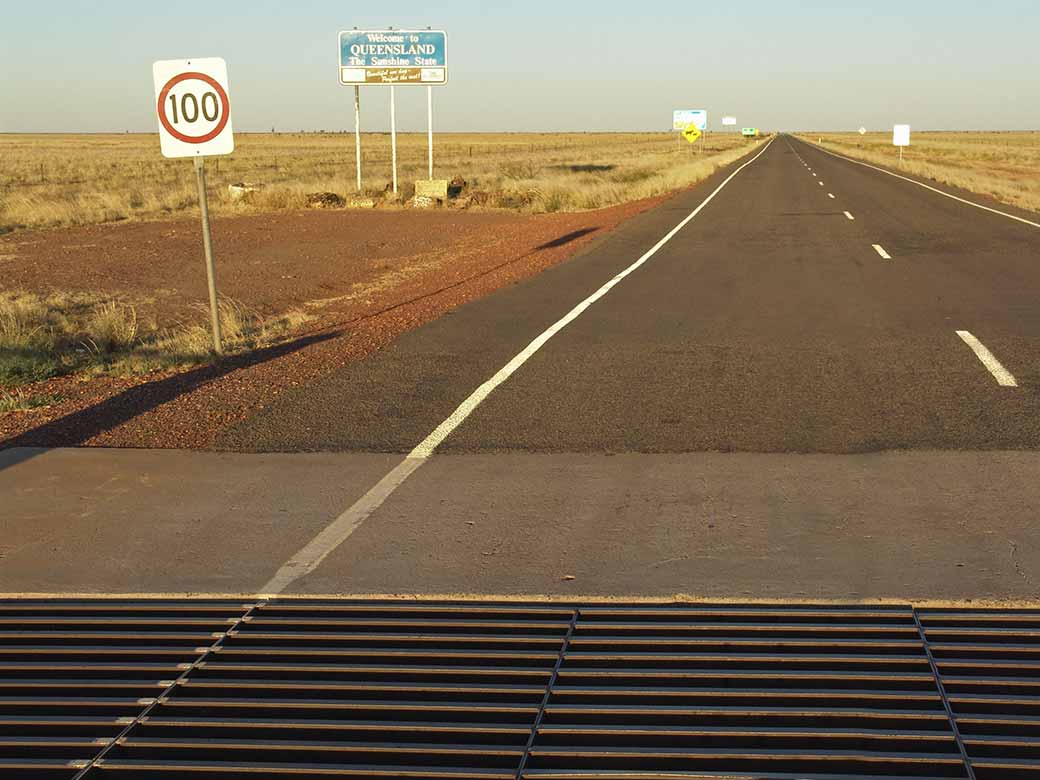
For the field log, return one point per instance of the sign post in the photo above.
(207, 245)
(901, 138)
(357, 134)
(194, 112)
(395, 57)
(393, 134)
(429, 128)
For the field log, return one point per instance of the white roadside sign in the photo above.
(729, 121)
(901, 135)
(193, 107)
(682, 119)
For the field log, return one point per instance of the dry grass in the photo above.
(58, 180)
(1005, 166)
(19, 401)
(43, 336)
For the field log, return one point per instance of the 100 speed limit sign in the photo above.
(191, 100)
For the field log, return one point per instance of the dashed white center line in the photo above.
(881, 251)
(1003, 376)
(831, 195)
(852, 218)
(814, 175)
(821, 183)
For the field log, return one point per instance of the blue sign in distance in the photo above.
(393, 57)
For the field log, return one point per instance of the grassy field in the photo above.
(1005, 166)
(58, 180)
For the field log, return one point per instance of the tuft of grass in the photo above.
(46, 336)
(23, 402)
(111, 327)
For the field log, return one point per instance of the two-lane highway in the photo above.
(770, 323)
(804, 378)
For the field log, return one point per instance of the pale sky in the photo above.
(538, 65)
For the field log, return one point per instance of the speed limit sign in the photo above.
(194, 110)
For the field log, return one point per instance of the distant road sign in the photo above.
(691, 133)
(901, 135)
(749, 132)
(729, 121)
(684, 118)
(193, 107)
(393, 57)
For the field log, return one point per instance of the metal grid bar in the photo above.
(548, 694)
(946, 701)
(988, 662)
(317, 689)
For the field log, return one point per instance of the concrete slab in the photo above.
(150, 521)
(902, 525)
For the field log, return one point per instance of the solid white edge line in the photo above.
(1002, 375)
(340, 529)
(922, 184)
(881, 251)
(851, 218)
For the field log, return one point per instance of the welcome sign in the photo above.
(393, 57)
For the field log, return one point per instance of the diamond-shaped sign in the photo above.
(691, 133)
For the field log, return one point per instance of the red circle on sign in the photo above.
(225, 106)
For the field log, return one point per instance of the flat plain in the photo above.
(62, 180)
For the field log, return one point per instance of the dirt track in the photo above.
(366, 276)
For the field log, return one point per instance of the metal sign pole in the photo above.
(357, 133)
(429, 127)
(393, 134)
(207, 243)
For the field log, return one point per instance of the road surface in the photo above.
(823, 385)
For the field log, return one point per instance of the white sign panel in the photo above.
(697, 117)
(193, 107)
(729, 121)
(863, 131)
(901, 135)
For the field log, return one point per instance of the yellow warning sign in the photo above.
(691, 133)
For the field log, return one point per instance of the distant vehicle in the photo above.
(750, 132)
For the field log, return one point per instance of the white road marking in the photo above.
(830, 195)
(339, 530)
(821, 183)
(814, 175)
(881, 251)
(851, 218)
(1002, 375)
(933, 189)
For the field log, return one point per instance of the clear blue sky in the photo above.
(541, 65)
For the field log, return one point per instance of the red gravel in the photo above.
(386, 272)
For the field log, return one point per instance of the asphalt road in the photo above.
(769, 324)
(825, 386)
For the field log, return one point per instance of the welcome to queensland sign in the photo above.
(393, 57)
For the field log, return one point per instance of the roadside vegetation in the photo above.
(61, 180)
(45, 336)
(1004, 166)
